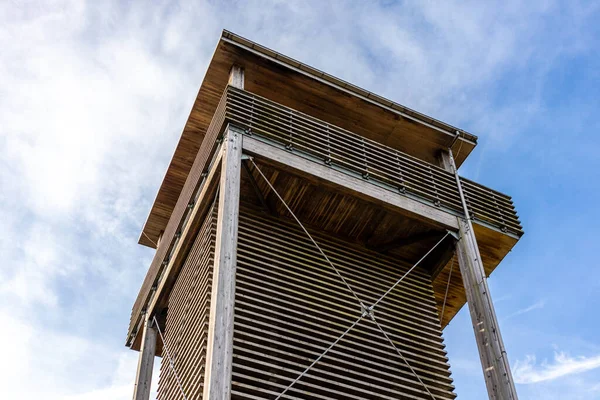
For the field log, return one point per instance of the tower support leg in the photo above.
(143, 377)
(219, 357)
(492, 353)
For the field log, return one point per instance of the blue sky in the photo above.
(93, 97)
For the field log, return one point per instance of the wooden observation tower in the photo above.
(312, 241)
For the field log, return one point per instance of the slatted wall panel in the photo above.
(290, 306)
(186, 328)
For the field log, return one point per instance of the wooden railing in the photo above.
(340, 149)
(179, 217)
(379, 164)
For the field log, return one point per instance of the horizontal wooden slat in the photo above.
(291, 305)
(186, 327)
(346, 151)
(342, 149)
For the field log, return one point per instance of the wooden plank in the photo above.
(143, 378)
(492, 352)
(186, 328)
(202, 163)
(275, 76)
(348, 152)
(220, 334)
(405, 241)
(187, 236)
(236, 76)
(290, 306)
(355, 186)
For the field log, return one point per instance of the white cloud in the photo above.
(44, 363)
(93, 96)
(528, 372)
(535, 306)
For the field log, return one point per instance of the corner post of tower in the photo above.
(219, 353)
(143, 378)
(492, 353)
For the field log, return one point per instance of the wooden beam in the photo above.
(236, 77)
(492, 352)
(257, 190)
(143, 378)
(188, 235)
(398, 243)
(219, 353)
(440, 257)
(324, 175)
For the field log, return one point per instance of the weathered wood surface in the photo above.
(290, 306)
(400, 181)
(220, 333)
(492, 352)
(356, 186)
(195, 218)
(303, 88)
(380, 165)
(177, 221)
(186, 330)
(143, 379)
(369, 222)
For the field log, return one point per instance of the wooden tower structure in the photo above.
(312, 241)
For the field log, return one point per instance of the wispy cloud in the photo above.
(529, 372)
(93, 97)
(535, 306)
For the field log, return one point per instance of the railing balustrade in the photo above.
(310, 137)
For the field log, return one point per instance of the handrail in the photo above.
(180, 215)
(380, 164)
(338, 148)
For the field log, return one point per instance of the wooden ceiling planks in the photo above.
(299, 86)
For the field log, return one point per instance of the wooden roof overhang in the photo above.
(306, 89)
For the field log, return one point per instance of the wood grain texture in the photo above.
(362, 168)
(186, 328)
(290, 306)
(382, 166)
(145, 367)
(220, 333)
(301, 87)
(178, 219)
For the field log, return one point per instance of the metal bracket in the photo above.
(367, 311)
(454, 235)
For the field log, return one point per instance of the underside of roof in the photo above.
(306, 89)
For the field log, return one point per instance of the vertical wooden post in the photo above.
(236, 77)
(219, 353)
(492, 353)
(143, 378)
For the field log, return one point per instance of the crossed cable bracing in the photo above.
(365, 311)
